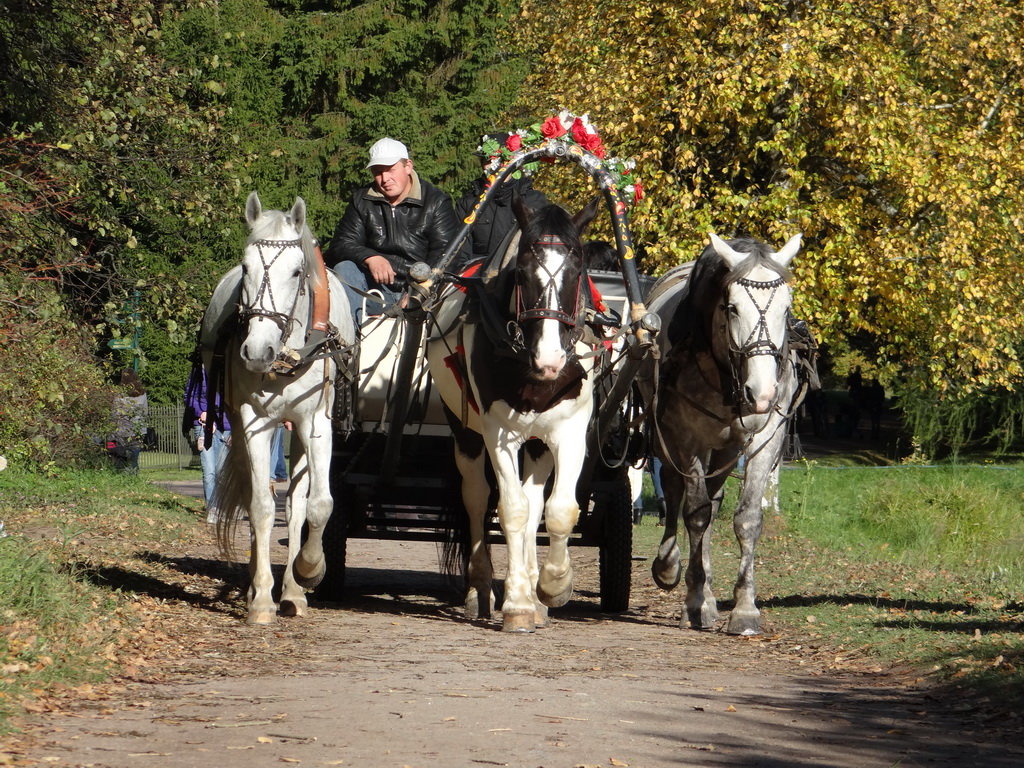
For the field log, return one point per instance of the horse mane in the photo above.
(708, 283)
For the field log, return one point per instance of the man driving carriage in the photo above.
(389, 225)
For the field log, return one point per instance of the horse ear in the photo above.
(298, 214)
(785, 254)
(731, 257)
(521, 210)
(583, 218)
(253, 208)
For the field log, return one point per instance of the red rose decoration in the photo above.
(579, 132)
(514, 142)
(638, 192)
(552, 128)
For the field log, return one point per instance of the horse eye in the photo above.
(731, 309)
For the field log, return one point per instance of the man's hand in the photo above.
(380, 269)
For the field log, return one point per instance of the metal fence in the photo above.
(172, 450)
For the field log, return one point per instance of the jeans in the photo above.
(655, 468)
(278, 465)
(211, 459)
(354, 280)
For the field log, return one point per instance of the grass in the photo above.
(921, 567)
(60, 625)
(914, 566)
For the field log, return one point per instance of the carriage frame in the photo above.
(393, 475)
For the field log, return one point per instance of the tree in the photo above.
(108, 182)
(887, 133)
(308, 86)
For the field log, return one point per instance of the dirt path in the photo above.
(395, 677)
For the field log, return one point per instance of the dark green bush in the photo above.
(54, 398)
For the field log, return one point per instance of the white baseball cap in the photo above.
(387, 152)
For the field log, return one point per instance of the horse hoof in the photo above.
(743, 626)
(477, 609)
(540, 617)
(307, 574)
(293, 607)
(518, 621)
(554, 601)
(309, 582)
(666, 575)
(703, 619)
(554, 591)
(260, 618)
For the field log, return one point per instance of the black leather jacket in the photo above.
(493, 227)
(417, 229)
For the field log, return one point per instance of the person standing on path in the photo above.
(211, 457)
(278, 463)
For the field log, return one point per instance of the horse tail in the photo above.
(453, 524)
(233, 494)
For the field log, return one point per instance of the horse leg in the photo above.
(538, 467)
(475, 495)
(745, 618)
(313, 484)
(667, 568)
(261, 606)
(703, 498)
(513, 513)
(562, 511)
(293, 595)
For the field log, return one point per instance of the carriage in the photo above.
(521, 358)
(393, 474)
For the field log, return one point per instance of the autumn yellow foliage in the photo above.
(889, 133)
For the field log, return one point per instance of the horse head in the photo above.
(754, 312)
(548, 301)
(274, 269)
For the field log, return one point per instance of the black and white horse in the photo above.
(514, 376)
(726, 391)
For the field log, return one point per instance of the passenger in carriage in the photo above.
(388, 226)
(496, 224)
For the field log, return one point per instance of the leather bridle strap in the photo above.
(280, 319)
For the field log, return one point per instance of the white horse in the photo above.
(726, 390)
(273, 369)
(517, 372)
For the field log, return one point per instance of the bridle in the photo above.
(539, 312)
(264, 305)
(759, 341)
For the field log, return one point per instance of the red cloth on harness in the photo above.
(595, 297)
(455, 362)
(469, 271)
